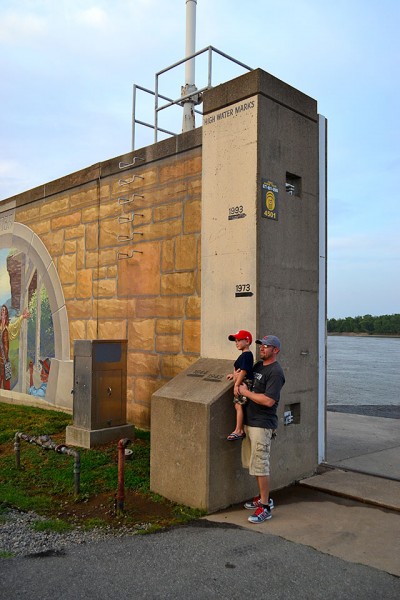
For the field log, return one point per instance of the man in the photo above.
(261, 421)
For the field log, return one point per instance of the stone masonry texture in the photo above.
(126, 247)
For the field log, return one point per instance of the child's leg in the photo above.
(238, 433)
(239, 418)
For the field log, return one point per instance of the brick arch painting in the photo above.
(36, 343)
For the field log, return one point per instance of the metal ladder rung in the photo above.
(128, 181)
(125, 165)
(127, 238)
(125, 255)
(123, 200)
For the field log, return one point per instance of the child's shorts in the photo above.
(242, 399)
(239, 400)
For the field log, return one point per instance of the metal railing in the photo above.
(181, 99)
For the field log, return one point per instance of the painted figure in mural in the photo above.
(9, 331)
(44, 377)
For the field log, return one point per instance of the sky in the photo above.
(67, 68)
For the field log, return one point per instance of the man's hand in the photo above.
(243, 388)
(255, 397)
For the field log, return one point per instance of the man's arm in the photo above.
(257, 398)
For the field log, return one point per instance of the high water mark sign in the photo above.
(269, 199)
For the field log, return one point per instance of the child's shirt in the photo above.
(245, 362)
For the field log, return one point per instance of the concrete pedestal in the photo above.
(192, 462)
(88, 438)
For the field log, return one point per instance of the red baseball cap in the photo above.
(242, 334)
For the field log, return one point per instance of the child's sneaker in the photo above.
(255, 503)
(262, 514)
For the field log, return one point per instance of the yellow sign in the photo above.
(269, 199)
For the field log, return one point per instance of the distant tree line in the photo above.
(383, 325)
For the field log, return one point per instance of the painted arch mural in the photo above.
(26, 349)
(34, 335)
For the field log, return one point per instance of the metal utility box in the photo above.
(99, 408)
(99, 383)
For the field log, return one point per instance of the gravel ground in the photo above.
(17, 538)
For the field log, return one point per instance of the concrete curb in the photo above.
(368, 489)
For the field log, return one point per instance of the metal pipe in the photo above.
(77, 464)
(143, 89)
(122, 444)
(322, 310)
(133, 116)
(209, 82)
(186, 94)
(159, 129)
(17, 450)
(190, 65)
(181, 101)
(155, 109)
(45, 442)
(189, 120)
(206, 49)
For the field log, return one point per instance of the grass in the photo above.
(45, 482)
(33, 421)
(94, 523)
(56, 525)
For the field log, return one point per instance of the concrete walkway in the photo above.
(342, 512)
(367, 444)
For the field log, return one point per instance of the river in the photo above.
(363, 370)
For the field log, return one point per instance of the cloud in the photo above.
(94, 17)
(16, 28)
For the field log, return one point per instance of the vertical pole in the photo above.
(190, 65)
(17, 450)
(133, 116)
(209, 67)
(121, 477)
(156, 110)
(77, 472)
(189, 121)
(322, 284)
(122, 444)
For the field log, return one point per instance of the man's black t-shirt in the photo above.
(268, 380)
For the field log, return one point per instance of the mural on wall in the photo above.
(27, 332)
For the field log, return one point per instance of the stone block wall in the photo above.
(152, 298)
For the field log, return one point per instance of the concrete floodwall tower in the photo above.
(263, 269)
(260, 241)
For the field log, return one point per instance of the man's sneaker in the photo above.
(255, 503)
(261, 515)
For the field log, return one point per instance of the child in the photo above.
(242, 372)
